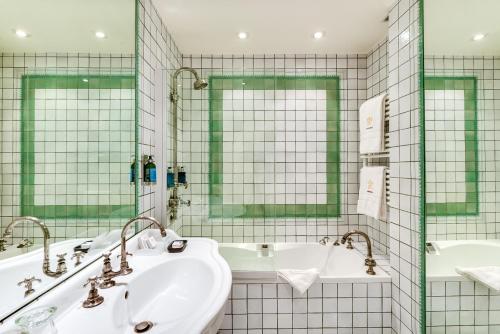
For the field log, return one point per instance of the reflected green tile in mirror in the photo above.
(451, 146)
(77, 137)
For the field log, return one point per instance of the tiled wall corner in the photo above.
(157, 51)
(403, 85)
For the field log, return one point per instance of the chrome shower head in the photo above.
(200, 84)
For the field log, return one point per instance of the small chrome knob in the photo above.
(107, 273)
(2, 245)
(61, 263)
(28, 285)
(93, 299)
(324, 241)
(78, 256)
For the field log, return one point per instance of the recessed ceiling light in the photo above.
(242, 35)
(100, 34)
(21, 33)
(318, 35)
(478, 37)
(85, 80)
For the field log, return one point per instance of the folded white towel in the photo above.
(372, 195)
(371, 125)
(488, 276)
(299, 279)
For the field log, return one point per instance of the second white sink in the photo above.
(170, 291)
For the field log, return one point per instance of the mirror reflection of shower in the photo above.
(175, 201)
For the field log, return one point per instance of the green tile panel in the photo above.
(217, 85)
(471, 205)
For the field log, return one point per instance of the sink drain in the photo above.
(143, 326)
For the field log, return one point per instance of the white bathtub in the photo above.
(464, 253)
(249, 263)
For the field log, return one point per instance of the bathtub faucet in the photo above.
(369, 261)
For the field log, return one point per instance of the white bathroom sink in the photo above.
(170, 291)
(177, 292)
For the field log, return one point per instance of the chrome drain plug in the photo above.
(143, 326)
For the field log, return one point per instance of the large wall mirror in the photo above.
(68, 129)
(462, 165)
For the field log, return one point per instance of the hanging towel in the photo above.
(371, 125)
(372, 197)
(299, 279)
(488, 276)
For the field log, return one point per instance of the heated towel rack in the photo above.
(385, 153)
(368, 158)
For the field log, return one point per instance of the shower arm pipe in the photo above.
(174, 98)
(174, 200)
(174, 80)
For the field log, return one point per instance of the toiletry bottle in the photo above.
(170, 177)
(150, 171)
(182, 176)
(132, 171)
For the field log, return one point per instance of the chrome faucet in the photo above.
(369, 261)
(61, 264)
(124, 267)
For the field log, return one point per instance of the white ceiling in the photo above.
(274, 26)
(67, 25)
(451, 24)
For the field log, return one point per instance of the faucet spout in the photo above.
(46, 237)
(124, 267)
(369, 261)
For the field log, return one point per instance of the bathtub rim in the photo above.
(262, 276)
(453, 276)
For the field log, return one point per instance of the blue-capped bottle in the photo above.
(170, 177)
(150, 171)
(182, 176)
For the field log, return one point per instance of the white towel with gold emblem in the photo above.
(371, 125)
(372, 193)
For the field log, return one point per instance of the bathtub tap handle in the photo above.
(336, 243)
(370, 263)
